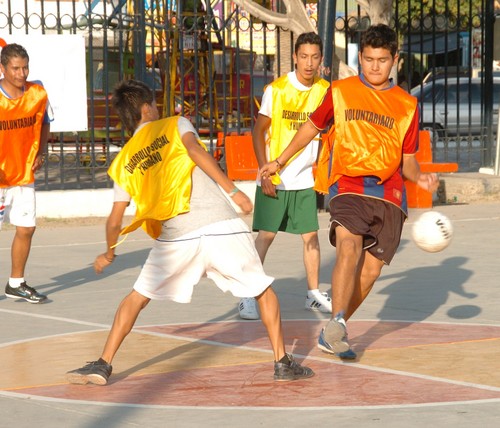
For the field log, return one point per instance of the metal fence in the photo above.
(448, 64)
(211, 65)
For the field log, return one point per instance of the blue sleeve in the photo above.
(49, 113)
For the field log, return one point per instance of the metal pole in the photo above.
(496, 56)
(497, 155)
(326, 23)
(488, 81)
(139, 41)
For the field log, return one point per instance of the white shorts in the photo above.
(19, 205)
(173, 268)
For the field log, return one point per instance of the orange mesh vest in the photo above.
(369, 130)
(21, 122)
(155, 169)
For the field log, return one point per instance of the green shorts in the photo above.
(292, 211)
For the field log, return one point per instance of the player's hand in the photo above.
(267, 186)
(429, 182)
(269, 169)
(243, 201)
(101, 262)
(39, 160)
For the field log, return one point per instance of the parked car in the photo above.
(454, 106)
(440, 72)
(453, 72)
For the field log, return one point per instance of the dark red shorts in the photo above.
(379, 222)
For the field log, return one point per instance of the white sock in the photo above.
(313, 293)
(340, 318)
(15, 282)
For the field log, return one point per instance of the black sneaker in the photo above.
(96, 372)
(289, 369)
(24, 291)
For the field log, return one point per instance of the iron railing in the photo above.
(211, 66)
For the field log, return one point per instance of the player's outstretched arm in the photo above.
(302, 138)
(411, 171)
(113, 228)
(260, 129)
(208, 164)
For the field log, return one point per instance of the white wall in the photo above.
(94, 203)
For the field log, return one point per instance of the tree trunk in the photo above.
(295, 20)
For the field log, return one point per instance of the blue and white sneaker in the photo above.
(333, 340)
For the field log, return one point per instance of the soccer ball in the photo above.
(432, 232)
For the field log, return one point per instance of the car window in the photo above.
(451, 94)
(433, 92)
(470, 92)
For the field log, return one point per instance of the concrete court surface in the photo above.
(427, 337)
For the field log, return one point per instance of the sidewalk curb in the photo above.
(468, 188)
(454, 188)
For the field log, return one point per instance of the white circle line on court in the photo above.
(228, 345)
(74, 321)
(139, 327)
(237, 408)
(79, 244)
(52, 318)
(415, 375)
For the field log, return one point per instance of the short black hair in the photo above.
(380, 36)
(128, 98)
(310, 38)
(12, 50)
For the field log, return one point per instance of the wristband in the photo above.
(278, 163)
(233, 192)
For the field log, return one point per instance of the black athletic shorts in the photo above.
(379, 222)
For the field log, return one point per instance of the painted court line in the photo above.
(415, 375)
(140, 329)
(238, 408)
(78, 244)
(49, 317)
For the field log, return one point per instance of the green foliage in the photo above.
(442, 7)
(192, 15)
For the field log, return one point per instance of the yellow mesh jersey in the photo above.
(155, 169)
(369, 130)
(21, 122)
(291, 108)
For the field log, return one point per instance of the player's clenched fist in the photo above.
(101, 261)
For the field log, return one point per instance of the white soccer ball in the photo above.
(432, 232)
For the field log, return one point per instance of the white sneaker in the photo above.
(319, 302)
(248, 309)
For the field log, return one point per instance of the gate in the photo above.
(209, 61)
